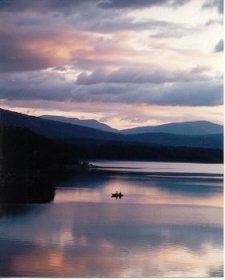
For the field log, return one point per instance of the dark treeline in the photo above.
(112, 150)
(30, 164)
(23, 149)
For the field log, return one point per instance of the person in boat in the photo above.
(117, 194)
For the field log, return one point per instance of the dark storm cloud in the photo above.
(67, 6)
(52, 87)
(194, 94)
(218, 4)
(116, 23)
(139, 76)
(36, 35)
(130, 4)
(19, 30)
(82, 15)
(34, 86)
(87, 17)
(219, 46)
(64, 6)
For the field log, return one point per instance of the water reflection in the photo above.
(146, 166)
(14, 210)
(143, 189)
(106, 258)
(101, 240)
(161, 228)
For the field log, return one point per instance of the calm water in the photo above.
(168, 224)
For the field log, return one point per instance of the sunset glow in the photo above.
(125, 63)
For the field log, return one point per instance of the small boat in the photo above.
(117, 195)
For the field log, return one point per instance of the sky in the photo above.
(126, 63)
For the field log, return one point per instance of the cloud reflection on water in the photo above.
(110, 255)
(143, 189)
(161, 228)
(116, 240)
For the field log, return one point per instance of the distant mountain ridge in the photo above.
(181, 128)
(52, 129)
(73, 133)
(86, 123)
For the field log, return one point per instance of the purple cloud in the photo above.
(141, 75)
(52, 87)
(130, 4)
(219, 47)
(218, 4)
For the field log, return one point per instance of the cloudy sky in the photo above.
(123, 62)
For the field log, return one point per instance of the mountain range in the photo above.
(86, 123)
(52, 129)
(182, 128)
(188, 134)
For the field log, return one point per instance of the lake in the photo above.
(168, 224)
